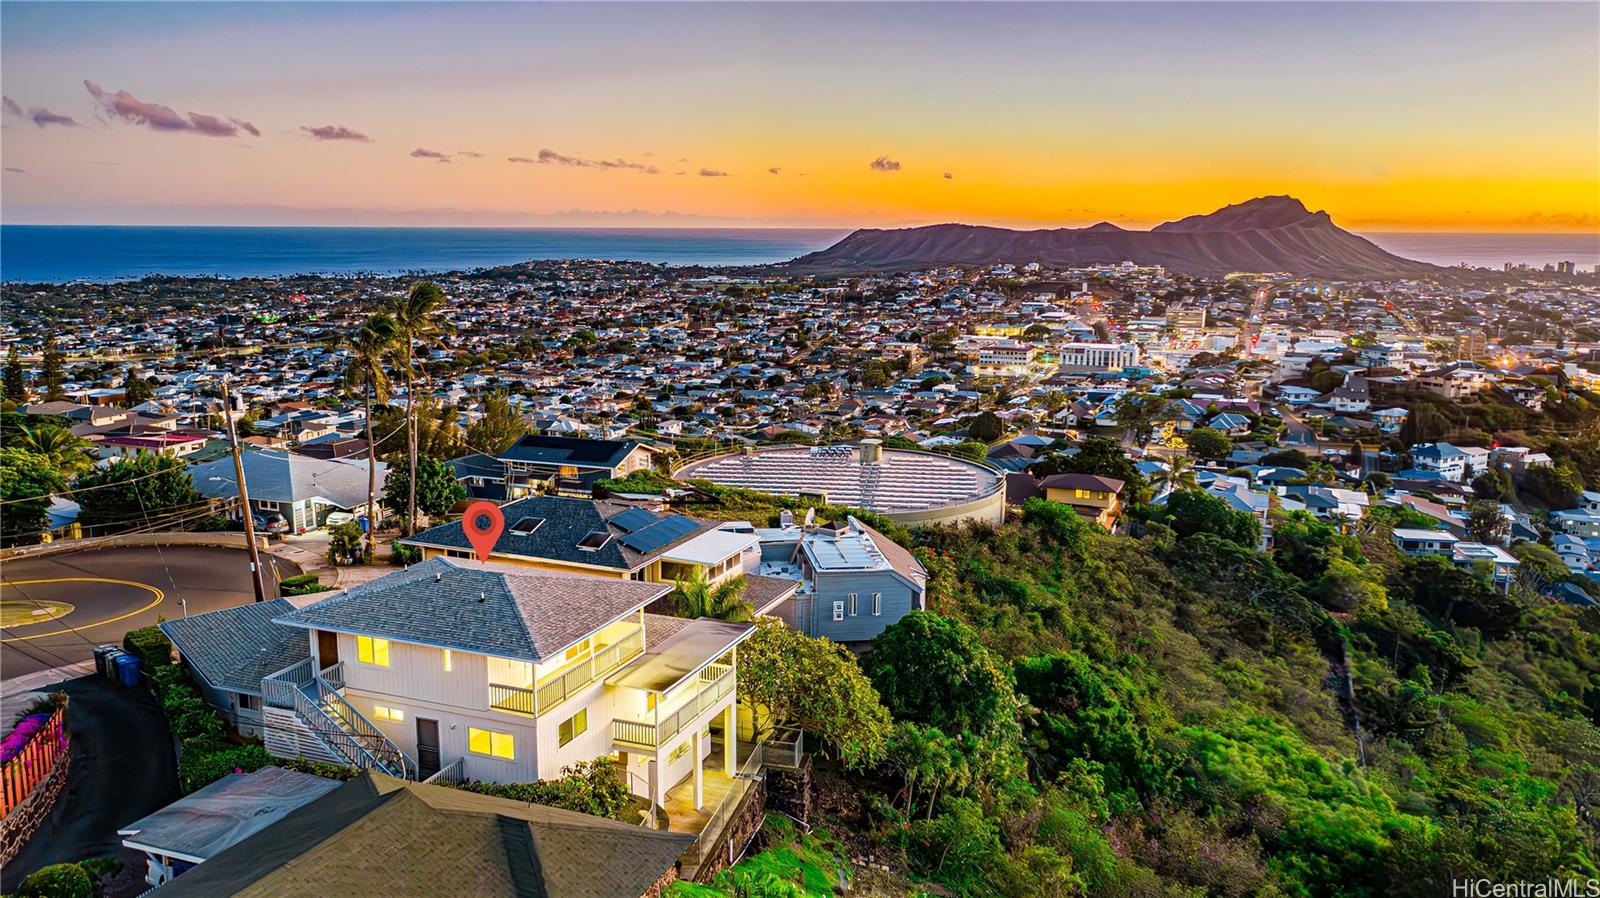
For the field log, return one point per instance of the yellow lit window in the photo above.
(573, 727)
(397, 715)
(577, 650)
(448, 661)
(372, 651)
(488, 742)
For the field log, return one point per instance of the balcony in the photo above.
(713, 684)
(530, 702)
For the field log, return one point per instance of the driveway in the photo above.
(123, 768)
(107, 592)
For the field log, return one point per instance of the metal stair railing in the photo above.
(329, 731)
(389, 756)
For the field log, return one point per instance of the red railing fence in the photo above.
(33, 764)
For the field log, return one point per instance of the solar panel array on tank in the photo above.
(663, 532)
(632, 520)
(905, 481)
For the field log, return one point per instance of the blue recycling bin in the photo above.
(127, 666)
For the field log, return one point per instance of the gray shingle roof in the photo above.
(495, 609)
(378, 835)
(566, 521)
(233, 648)
(277, 476)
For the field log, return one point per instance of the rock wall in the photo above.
(743, 825)
(790, 790)
(20, 824)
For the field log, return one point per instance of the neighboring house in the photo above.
(232, 650)
(170, 445)
(379, 835)
(1442, 459)
(503, 673)
(1465, 554)
(604, 538)
(1094, 498)
(1576, 522)
(568, 465)
(304, 490)
(209, 821)
(484, 476)
(1329, 503)
(1416, 542)
(854, 581)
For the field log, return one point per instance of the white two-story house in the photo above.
(491, 672)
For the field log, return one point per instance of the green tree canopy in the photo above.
(499, 427)
(438, 490)
(135, 492)
(1209, 442)
(932, 669)
(27, 480)
(815, 684)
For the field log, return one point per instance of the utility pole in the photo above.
(244, 497)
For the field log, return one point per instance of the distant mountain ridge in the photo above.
(1266, 234)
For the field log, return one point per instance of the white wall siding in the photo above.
(416, 672)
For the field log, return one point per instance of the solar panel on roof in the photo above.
(667, 530)
(633, 519)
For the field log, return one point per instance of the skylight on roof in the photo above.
(594, 541)
(525, 526)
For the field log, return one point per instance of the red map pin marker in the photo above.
(483, 524)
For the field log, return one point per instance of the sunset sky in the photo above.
(1440, 116)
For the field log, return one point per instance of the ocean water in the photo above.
(1494, 250)
(57, 253)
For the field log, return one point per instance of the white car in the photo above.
(339, 517)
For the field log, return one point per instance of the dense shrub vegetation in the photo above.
(1087, 714)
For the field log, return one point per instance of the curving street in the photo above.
(107, 592)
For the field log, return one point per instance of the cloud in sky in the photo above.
(774, 170)
(38, 114)
(469, 154)
(548, 156)
(15, 170)
(884, 163)
(335, 132)
(420, 153)
(158, 117)
(712, 173)
(949, 177)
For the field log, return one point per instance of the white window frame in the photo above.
(877, 604)
(850, 604)
(838, 611)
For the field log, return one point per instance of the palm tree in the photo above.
(66, 451)
(696, 597)
(372, 346)
(416, 319)
(1179, 474)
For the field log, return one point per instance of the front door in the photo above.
(327, 649)
(427, 747)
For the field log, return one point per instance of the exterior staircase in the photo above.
(305, 715)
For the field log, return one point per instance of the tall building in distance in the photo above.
(1099, 356)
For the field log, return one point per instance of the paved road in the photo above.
(123, 768)
(113, 591)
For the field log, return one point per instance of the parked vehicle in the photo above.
(339, 517)
(271, 522)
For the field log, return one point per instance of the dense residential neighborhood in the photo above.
(755, 553)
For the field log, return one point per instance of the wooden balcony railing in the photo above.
(567, 683)
(514, 699)
(715, 682)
